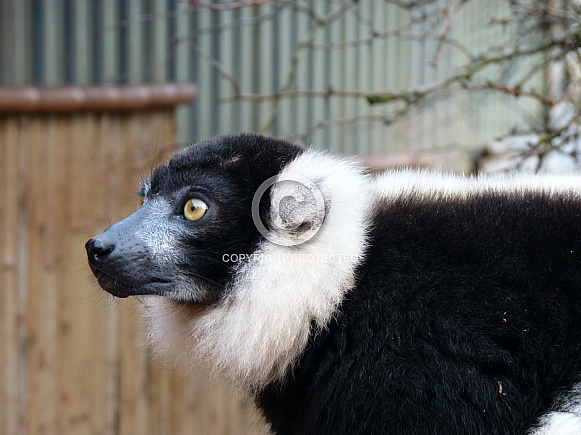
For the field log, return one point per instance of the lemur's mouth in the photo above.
(122, 286)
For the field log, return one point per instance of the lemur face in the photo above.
(195, 209)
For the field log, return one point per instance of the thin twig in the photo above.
(514, 91)
(445, 33)
(220, 69)
(302, 45)
(227, 6)
(374, 36)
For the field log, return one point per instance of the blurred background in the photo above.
(94, 93)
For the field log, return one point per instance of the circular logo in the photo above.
(297, 209)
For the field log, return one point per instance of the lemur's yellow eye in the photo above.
(195, 209)
(140, 202)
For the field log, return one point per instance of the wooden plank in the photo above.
(56, 270)
(6, 258)
(17, 368)
(82, 336)
(10, 391)
(42, 297)
(159, 402)
(184, 404)
(133, 389)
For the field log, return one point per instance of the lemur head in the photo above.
(195, 210)
(242, 243)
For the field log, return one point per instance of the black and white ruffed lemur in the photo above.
(347, 303)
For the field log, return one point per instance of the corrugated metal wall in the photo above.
(136, 41)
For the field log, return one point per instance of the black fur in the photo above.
(466, 320)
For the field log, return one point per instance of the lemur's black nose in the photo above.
(98, 249)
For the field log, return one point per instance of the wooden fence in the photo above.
(72, 359)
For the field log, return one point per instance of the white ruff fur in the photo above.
(565, 419)
(258, 331)
(441, 186)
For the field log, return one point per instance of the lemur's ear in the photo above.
(297, 209)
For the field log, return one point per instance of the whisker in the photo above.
(155, 151)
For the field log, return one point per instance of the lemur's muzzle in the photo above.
(122, 264)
